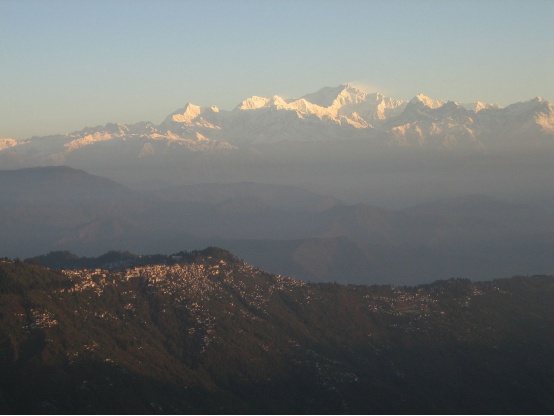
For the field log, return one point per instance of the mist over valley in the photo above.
(243, 208)
(339, 185)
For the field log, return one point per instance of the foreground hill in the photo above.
(203, 332)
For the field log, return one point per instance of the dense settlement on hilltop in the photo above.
(193, 285)
(184, 334)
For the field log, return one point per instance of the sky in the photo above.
(66, 65)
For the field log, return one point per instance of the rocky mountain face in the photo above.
(203, 332)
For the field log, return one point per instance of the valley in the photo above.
(244, 208)
(283, 229)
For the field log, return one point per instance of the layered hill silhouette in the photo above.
(204, 332)
(339, 185)
(283, 229)
(267, 180)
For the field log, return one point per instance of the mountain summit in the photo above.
(339, 114)
(314, 116)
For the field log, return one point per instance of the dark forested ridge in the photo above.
(204, 332)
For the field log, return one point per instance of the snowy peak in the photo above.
(345, 104)
(535, 106)
(374, 108)
(421, 99)
(478, 106)
(116, 141)
(543, 114)
(350, 95)
(255, 103)
(325, 96)
(188, 114)
(115, 130)
(420, 121)
(330, 114)
(302, 107)
(7, 143)
(336, 96)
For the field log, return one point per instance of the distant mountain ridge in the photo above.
(332, 113)
(418, 122)
(300, 140)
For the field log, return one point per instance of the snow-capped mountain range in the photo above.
(331, 114)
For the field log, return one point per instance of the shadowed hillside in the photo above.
(203, 332)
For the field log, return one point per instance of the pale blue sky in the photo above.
(70, 64)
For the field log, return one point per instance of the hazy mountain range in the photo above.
(338, 141)
(340, 113)
(337, 185)
(281, 228)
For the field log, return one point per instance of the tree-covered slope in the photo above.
(203, 332)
